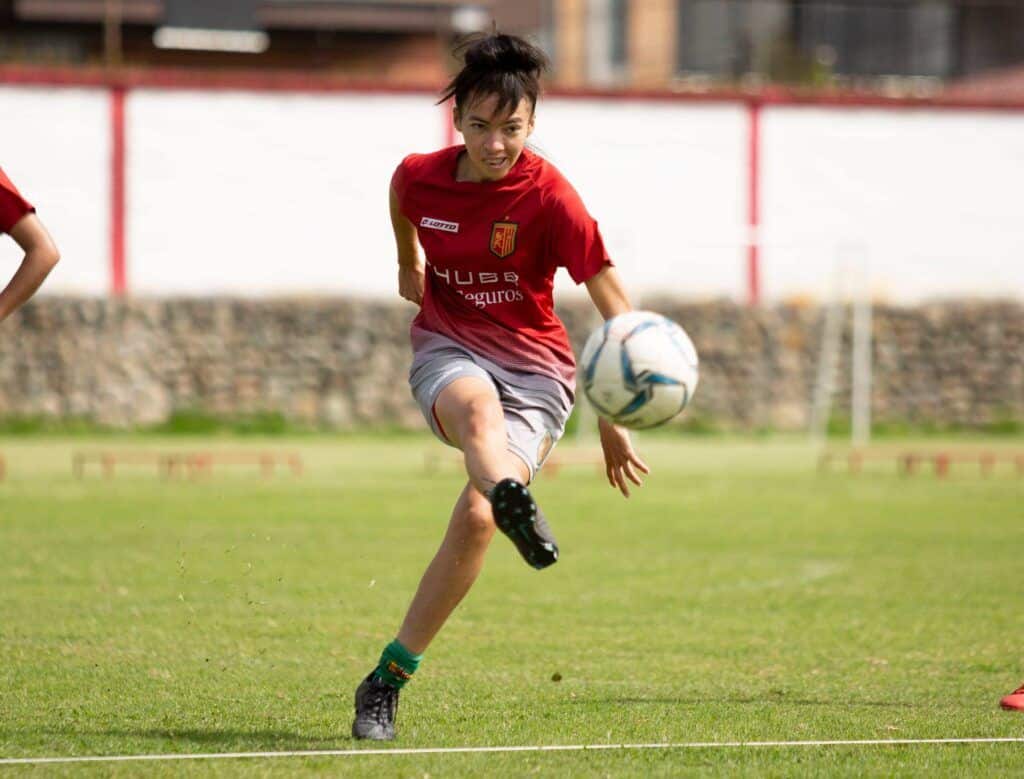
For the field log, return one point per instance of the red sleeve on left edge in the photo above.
(12, 205)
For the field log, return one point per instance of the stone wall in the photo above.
(340, 364)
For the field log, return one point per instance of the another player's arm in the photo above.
(621, 462)
(410, 263)
(40, 256)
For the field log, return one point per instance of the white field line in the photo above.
(538, 748)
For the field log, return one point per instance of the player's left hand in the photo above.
(620, 461)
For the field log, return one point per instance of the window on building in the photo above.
(619, 32)
(713, 38)
(879, 38)
(607, 36)
(546, 37)
(850, 37)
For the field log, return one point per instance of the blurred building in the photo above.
(404, 41)
(593, 43)
(656, 43)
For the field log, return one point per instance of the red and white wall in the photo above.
(163, 188)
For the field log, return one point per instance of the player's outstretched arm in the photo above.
(621, 462)
(606, 290)
(40, 256)
(410, 263)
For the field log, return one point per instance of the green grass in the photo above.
(738, 596)
(196, 423)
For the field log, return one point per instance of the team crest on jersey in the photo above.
(503, 238)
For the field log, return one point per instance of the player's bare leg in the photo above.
(496, 496)
(452, 571)
(473, 420)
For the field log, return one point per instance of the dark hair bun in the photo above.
(504, 53)
(502, 65)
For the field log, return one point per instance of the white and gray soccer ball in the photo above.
(639, 369)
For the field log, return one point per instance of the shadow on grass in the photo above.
(212, 736)
(239, 740)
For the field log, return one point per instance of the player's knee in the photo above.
(477, 523)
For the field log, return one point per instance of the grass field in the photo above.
(738, 596)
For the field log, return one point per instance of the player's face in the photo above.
(494, 140)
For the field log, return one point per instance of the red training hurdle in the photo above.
(195, 463)
(909, 462)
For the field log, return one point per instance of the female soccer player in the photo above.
(18, 218)
(492, 368)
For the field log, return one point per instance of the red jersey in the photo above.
(492, 249)
(12, 205)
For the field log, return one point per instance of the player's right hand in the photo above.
(620, 459)
(410, 283)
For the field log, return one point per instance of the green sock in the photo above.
(397, 665)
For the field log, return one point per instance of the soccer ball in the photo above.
(639, 369)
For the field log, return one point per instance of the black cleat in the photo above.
(376, 707)
(518, 517)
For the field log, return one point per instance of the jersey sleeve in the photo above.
(12, 205)
(574, 239)
(400, 180)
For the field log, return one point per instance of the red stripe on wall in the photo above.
(754, 204)
(316, 82)
(118, 278)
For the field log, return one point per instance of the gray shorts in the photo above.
(536, 408)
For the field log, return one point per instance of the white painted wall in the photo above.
(268, 193)
(666, 182)
(55, 146)
(931, 200)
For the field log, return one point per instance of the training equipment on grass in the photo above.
(1014, 701)
(196, 463)
(639, 369)
(907, 462)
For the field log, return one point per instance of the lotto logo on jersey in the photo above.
(439, 224)
(503, 238)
